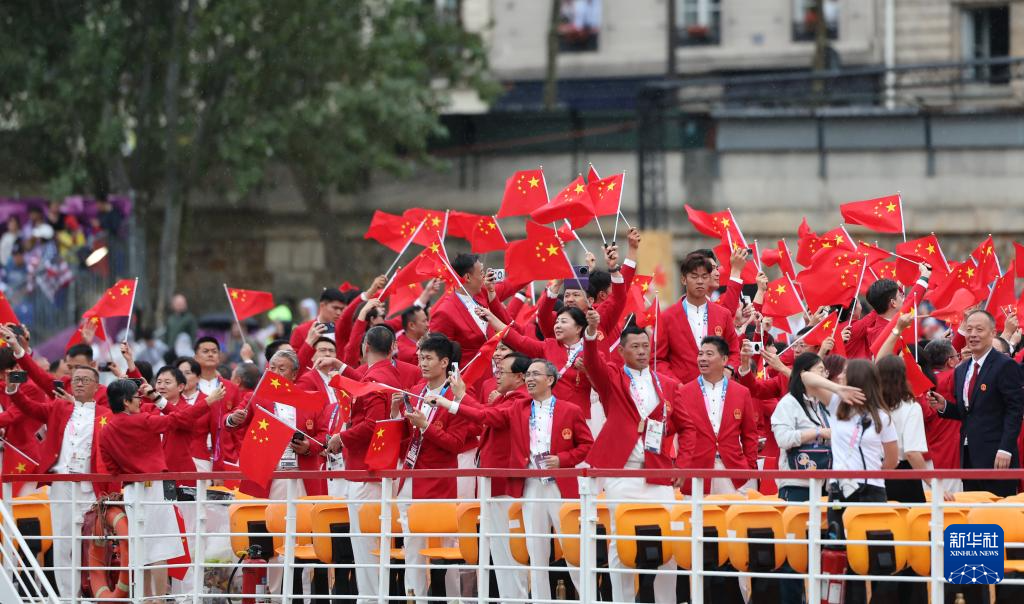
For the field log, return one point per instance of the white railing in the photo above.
(22, 579)
(209, 530)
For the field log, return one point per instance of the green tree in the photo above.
(161, 98)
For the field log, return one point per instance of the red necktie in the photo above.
(974, 382)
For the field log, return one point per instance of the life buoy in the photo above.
(99, 554)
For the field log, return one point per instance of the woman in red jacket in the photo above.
(565, 351)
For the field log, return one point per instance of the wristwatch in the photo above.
(615, 270)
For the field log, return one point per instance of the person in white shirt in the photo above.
(908, 419)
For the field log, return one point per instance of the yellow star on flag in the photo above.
(781, 289)
(125, 290)
(234, 294)
(534, 182)
(552, 250)
(276, 383)
(264, 424)
(20, 468)
(891, 207)
(931, 249)
(380, 433)
(435, 221)
(434, 247)
(103, 421)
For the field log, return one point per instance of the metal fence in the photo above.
(732, 532)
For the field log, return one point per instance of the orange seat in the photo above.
(1012, 522)
(516, 526)
(469, 531)
(714, 525)
(369, 524)
(275, 515)
(569, 524)
(643, 550)
(31, 514)
(329, 517)
(760, 522)
(863, 523)
(919, 524)
(795, 519)
(975, 497)
(436, 517)
(250, 518)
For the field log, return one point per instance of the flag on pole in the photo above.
(116, 301)
(263, 445)
(248, 302)
(525, 191)
(883, 215)
(275, 388)
(382, 454)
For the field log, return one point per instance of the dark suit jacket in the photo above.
(993, 420)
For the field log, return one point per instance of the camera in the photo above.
(138, 382)
(758, 348)
(499, 274)
(18, 330)
(17, 377)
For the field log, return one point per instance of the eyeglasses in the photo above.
(82, 380)
(536, 374)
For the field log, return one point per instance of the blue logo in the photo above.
(974, 554)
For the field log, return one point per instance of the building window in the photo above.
(579, 25)
(986, 35)
(698, 22)
(805, 19)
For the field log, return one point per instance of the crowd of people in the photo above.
(577, 382)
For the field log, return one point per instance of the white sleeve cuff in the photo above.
(550, 293)
(1007, 453)
(521, 297)
(454, 409)
(922, 283)
(736, 280)
(20, 356)
(417, 303)
(629, 262)
(364, 297)
(588, 337)
(161, 403)
(617, 277)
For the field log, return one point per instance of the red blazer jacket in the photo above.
(19, 428)
(56, 413)
(619, 435)
(677, 346)
(574, 385)
(570, 438)
(736, 441)
(366, 411)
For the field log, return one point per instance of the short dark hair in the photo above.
(326, 339)
(192, 364)
(881, 293)
(991, 319)
(54, 364)
(694, 261)
(549, 368)
(444, 348)
(599, 281)
(520, 362)
(379, 339)
(348, 296)
(89, 368)
(707, 253)
(273, 347)
(79, 350)
(206, 340)
(332, 294)
(718, 342)
(176, 373)
(248, 375)
(631, 330)
(577, 315)
(409, 315)
(120, 392)
(374, 313)
(464, 263)
(145, 368)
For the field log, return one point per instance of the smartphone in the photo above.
(58, 385)
(138, 382)
(328, 327)
(408, 406)
(105, 367)
(455, 368)
(298, 437)
(746, 299)
(17, 377)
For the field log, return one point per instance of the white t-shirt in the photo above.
(909, 422)
(847, 434)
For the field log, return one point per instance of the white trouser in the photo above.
(416, 579)
(275, 574)
(511, 583)
(363, 547)
(723, 486)
(623, 587)
(189, 516)
(67, 521)
(156, 519)
(539, 518)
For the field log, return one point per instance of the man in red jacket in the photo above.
(545, 434)
(886, 298)
(332, 304)
(415, 321)
(73, 426)
(434, 439)
(682, 326)
(18, 430)
(639, 434)
(721, 431)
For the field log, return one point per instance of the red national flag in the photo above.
(954, 311)
(346, 286)
(606, 194)
(719, 225)
(806, 242)
(988, 261)
(781, 256)
(116, 301)
(645, 315)
(927, 250)
(963, 276)
(538, 257)
(723, 254)
(810, 243)
(822, 330)
(781, 299)
(592, 175)
(404, 297)
(482, 232)
(186, 558)
(919, 382)
(275, 388)
(873, 254)
(391, 231)
(525, 191)
(636, 301)
(909, 306)
(6, 312)
(16, 462)
(79, 338)
(658, 278)
(884, 214)
(433, 223)
(355, 388)
(1018, 259)
(526, 314)
(480, 365)
(382, 454)
(248, 302)
(572, 203)
(1002, 298)
(262, 446)
(832, 278)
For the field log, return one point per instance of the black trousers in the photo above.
(1002, 488)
